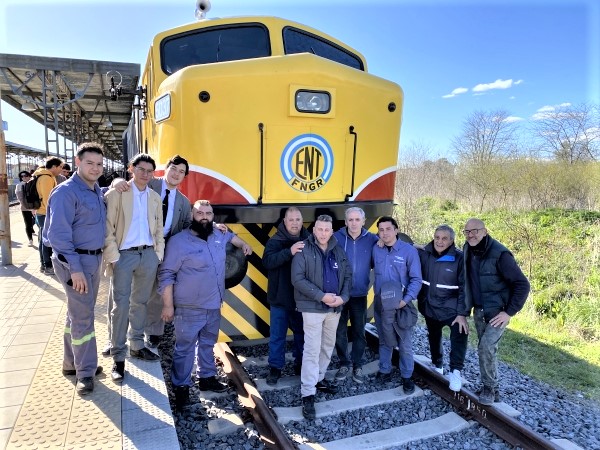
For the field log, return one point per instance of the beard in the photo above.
(203, 228)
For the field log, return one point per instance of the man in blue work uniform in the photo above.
(358, 244)
(191, 281)
(75, 227)
(397, 262)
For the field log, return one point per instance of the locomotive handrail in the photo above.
(351, 131)
(261, 128)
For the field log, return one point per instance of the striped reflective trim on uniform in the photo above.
(446, 286)
(67, 330)
(425, 282)
(84, 339)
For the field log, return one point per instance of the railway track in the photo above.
(283, 427)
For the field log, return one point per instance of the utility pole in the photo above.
(5, 240)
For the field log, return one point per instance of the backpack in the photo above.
(31, 198)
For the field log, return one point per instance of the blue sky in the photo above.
(451, 57)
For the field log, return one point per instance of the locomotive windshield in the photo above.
(212, 45)
(299, 41)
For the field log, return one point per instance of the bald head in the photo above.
(474, 231)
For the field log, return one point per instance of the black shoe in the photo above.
(118, 371)
(68, 372)
(383, 377)
(327, 387)
(144, 354)
(152, 340)
(211, 384)
(273, 376)
(308, 407)
(85, 385)
(106, 351)
(298, 369)
(408, 386)
(496, 394)
(182, 397)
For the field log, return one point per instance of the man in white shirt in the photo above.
(133, 248)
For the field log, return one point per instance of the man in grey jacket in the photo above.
(322, 278)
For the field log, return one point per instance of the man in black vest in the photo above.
(496, 289)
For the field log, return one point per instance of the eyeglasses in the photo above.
(144, 171)
(473, 231)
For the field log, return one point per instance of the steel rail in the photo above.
(271, 432)
(504, 426)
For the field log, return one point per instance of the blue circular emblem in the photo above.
(307, 163)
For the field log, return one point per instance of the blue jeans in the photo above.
(489, 337)
(282, 319)
(407, 362)
(45, 252)
(356, 310)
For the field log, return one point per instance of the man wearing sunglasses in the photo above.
(496, 289)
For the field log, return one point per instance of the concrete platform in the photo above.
(39, 407)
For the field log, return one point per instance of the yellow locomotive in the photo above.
(269, 113)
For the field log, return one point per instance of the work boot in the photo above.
(408, 386)
(211, 384)
(273, 376)
(118, 371)
(308, 407)
(383, 377)
(182, 397)
(85, 385)
(327, 387)
(487, 396)
(496, 394)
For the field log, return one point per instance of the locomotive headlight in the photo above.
(162, 108)
(313, 101)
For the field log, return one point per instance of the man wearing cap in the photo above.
(395, 264)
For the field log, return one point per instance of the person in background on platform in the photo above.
(133, 248)
(358, 243)
(192, 284)
(66, 171)
(28, 218)
(496, 289)
(277, 260)
(74, 227)
(396, 262)
(177, 216)
(322, 278)
(442, 301)
(44, 185)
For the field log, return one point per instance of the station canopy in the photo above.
(78, 100)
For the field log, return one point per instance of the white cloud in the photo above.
(511, 119)
(548, 111)
(498, 84)
(455, 92)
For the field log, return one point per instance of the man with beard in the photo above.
(277, 260)
(191, 281)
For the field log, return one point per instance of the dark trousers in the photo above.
(458, 343)
(29, 221)
(355, 310)
(45, 252)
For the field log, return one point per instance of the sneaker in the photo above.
(30, 243)
(358, 376)
(69, 372)
(106, 351)
(327, 387)
(152, 340)
(118, 371)
(455, 380)
(182, 397)
(383, 377)
(342, 373)
(408, 386)
(487, 396)
(85, 385)
(144, 354)
(439, 370)
(211, 384)
(273, 376)
(308, 407)
(49, 270)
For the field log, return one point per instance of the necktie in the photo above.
(165, 206)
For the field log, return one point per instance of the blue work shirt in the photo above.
(399, 263)
(196, 268)
(75, 219)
